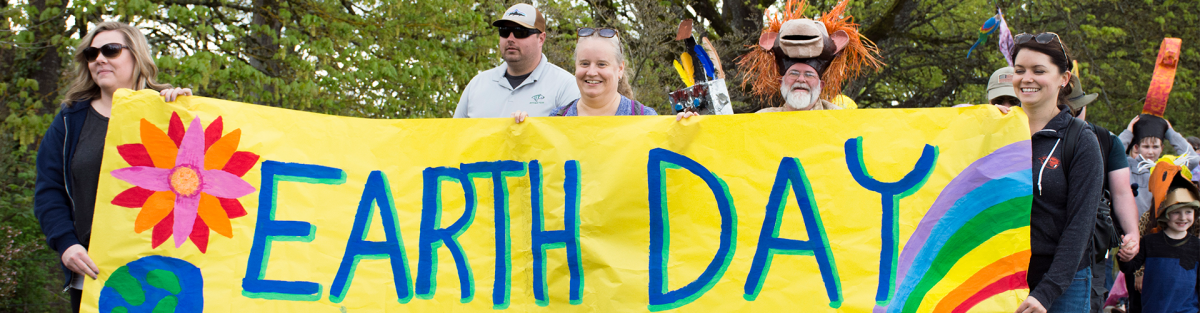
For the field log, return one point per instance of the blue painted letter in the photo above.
(791, 174)
(553, 239)
(375, 193)
(267, 230)
(498, 170)
(433, 236)
(891, 193)
(660, 297)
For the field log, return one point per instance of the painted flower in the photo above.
(186, 182)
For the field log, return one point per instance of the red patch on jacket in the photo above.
(1053, 164)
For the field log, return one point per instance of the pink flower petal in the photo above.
(191, 151)
(152, 178)
(185, 217)
(222, 184)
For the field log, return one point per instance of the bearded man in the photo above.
(811, 59)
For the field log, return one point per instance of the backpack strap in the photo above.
(636, 108)
(1105, 146)
(1068, 142)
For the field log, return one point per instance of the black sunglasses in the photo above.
(1043, 38)
(519, 32)
(603, 32)
(110, 51)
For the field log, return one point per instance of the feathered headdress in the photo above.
(840, 54)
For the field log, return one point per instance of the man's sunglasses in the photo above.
(1042, 38)
(110, 51)
(603, 32)
(519, 32)
(1006, 100)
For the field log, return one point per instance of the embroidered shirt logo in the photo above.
(1052, 164)
(537, 99)
(516, 12)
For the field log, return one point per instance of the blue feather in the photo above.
(709, 69)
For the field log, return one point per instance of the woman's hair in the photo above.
(1194, 142)
(1059, 56)
(145, 73)
(623, 86)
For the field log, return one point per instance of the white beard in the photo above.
(800, 100)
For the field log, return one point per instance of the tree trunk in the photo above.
(744, 15)
(49, 62)
(263, 46)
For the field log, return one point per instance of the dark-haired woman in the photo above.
(112, 56)
(1066, 187)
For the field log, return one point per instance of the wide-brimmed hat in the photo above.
(1177, 199)
(525, 15)
(1001, 84)
(1077, 98)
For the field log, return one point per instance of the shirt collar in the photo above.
(533, 76)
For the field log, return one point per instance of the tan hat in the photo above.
(1177, 199)
(524, 15)
(1001, 84)
(1077, 99)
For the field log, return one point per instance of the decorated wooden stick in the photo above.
(1164, 77)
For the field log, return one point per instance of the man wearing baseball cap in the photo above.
(526, 81)
(1000, 90)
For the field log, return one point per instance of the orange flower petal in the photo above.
(156, 208)
(210, 210)
(218, 154)
(160, 147)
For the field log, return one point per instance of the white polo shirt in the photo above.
(490, 95)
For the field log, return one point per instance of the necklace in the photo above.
(1181, 241)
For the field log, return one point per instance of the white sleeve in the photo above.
(461, 110)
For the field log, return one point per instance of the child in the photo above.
(1143, 140)
(1171, 256)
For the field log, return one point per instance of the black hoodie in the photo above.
(1064, 208)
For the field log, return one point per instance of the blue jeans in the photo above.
(1078, 296)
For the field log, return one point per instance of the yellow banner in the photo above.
(218, 206)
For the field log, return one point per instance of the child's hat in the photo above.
(1179, 198)
(1171, 192)
(1147, 126)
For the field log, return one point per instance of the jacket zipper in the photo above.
(67, 185)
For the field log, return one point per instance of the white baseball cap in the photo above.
(1001, 84)
(525, 15)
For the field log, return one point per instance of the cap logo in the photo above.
(516, 12)
(1005, 78)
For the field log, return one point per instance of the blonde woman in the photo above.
(600, 73)
(112, 56)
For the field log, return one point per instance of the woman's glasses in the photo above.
(519, 32)
(603, 32)
(1043, 38)
(110, 51)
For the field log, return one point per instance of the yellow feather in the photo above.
(682, 73)
(688, 64)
